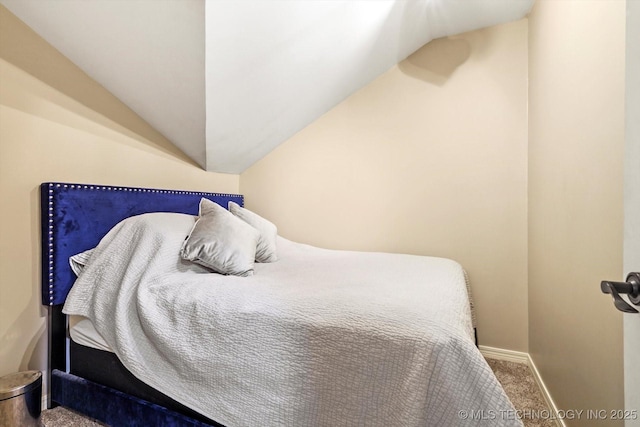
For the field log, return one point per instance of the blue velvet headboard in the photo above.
(75, 217)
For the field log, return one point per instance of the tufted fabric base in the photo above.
(112, 407)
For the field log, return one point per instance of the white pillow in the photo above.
(266, 250)
(221, 242)
(79, 261)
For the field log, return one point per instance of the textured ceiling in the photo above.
(228, 81)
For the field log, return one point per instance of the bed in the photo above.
(319, 337)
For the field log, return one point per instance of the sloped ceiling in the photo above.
(228, 81)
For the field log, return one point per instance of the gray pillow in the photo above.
(266, 250)
(221, 242)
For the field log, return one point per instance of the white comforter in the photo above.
(319, 338)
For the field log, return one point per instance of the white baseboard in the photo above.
(506, 355)
(545, 392)
(524, 358)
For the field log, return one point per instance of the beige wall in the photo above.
(56, 124)
(576, 140)
(431, 159)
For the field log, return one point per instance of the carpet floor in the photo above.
(516, 379)
(523, 391)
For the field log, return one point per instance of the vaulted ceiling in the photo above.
(227, 81)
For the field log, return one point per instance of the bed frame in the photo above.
(74, 217)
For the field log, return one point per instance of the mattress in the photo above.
(82, 332)
(318, 338)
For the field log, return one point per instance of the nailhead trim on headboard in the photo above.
(134, 189)
(50, 245)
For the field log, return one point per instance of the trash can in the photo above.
(20, 399)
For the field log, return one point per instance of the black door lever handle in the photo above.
(631, 287)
